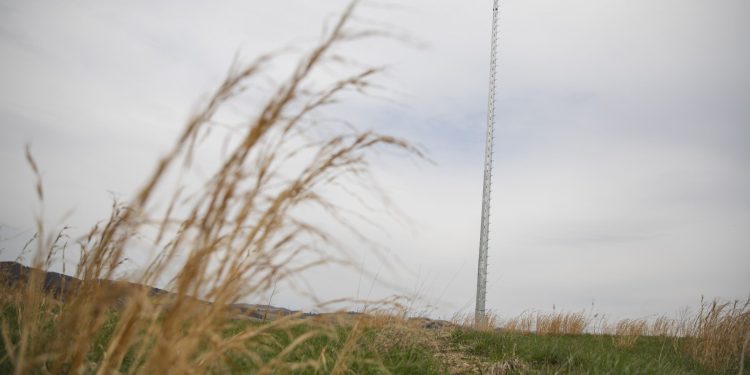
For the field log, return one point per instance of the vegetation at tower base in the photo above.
(238, 234)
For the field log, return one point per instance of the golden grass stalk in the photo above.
(717, 333)
(628, 331)
(556, 323)
(563, 323)
(523, 323)
(663, 326)
(231, 239)
(490, 322)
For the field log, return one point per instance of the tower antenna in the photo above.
(479, 313)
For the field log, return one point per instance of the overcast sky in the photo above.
(622, 141)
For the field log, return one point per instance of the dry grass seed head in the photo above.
(234, 238)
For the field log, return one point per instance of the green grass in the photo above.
(581, 354)
(368, 357)
(369, 354)
(384, 350)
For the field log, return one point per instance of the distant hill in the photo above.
(61, 287)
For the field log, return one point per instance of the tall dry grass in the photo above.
(628, 331)
(489, 322)
(565, 323)
(541, 323)
(715, 336)
(524, 323)
(664, 326)
(718, 333)
(233, 238)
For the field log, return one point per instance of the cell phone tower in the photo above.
(479, 312)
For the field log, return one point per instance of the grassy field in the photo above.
(307, 346)
(580, 354)
(383, 344)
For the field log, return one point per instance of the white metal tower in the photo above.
(479, 313)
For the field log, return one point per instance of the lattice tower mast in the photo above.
(479, 313)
